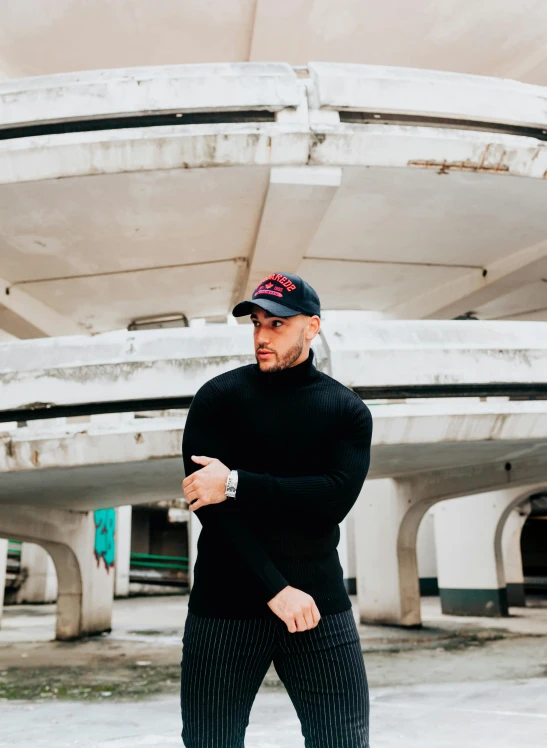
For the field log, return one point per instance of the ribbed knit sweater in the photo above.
(300, 442)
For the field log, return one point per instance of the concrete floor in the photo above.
(475, 683)
(500, 714)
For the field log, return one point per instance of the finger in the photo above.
(300, 622)
(197, 504)
(188, 481)
(315, 613)
(310, 623)
(191, 496)
(202, 460)
(291, 626)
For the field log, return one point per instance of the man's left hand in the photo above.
(206, 486)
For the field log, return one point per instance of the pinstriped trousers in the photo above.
(224, 662)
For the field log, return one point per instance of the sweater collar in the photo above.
(292, 377)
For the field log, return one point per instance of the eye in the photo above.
(255, 322)
(276, 323)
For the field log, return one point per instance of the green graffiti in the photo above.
(105, 531)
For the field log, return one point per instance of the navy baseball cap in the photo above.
(283, 295)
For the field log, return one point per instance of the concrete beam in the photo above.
(478, 287)
(116, 366)
(301, 195)
(23, 316)
(428, 93)
(148, 90)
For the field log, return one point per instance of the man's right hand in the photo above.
(295, 608)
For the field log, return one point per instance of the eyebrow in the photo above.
(266, 314)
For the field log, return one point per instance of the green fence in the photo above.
(149, 561)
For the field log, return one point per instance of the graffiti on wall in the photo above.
(105, 541)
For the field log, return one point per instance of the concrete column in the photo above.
(123, 550)
(468, 532)
(82, 547)
(512, 556)
(194, 530)
(40, 585)
(427, 558)
(351, 575)
(3, 561)
(386, 524)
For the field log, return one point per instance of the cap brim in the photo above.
(278, 310)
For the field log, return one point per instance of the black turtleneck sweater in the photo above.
(300, 442)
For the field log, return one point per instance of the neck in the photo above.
(289, 378)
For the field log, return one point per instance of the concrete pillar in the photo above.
(3, 561)
(123, 550)
(194, 529)
(468, 533)
(512, 556)
(40, 584)
(82, 546)
(427, 558)
(386, 524)
(351, 575)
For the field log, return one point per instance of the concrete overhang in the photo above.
(86, 466)
(407, 212)
(162, 364)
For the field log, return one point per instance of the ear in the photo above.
(314, 325)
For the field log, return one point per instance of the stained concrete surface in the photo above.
(456, 682)
(500, 714)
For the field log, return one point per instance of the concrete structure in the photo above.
(512, 555)
(39, 576)
(421, 35)
(83, 562)
(423, 452)
(469, 552)
(123, 551)
(339, 171)
(427, 555)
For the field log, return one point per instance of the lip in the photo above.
(264, 354)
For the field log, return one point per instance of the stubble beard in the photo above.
(288, 359)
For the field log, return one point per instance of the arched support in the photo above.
(388, 514)
(469, 552)
(512, 555)
(386, 524)
(81, 545)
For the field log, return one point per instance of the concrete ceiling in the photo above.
(487, 37)
(103, 250)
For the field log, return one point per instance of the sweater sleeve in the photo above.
(328, 496)
(200, 438)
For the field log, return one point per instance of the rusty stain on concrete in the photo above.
(35, 459)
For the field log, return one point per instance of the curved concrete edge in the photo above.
(65, 446)
(273, 86)
(116, 366)
(295, 143)
(172, 88)
(429, 93)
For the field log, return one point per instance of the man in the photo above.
(275, 456)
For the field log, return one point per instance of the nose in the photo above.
(261, 338)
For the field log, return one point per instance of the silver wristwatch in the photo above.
(231, 484)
